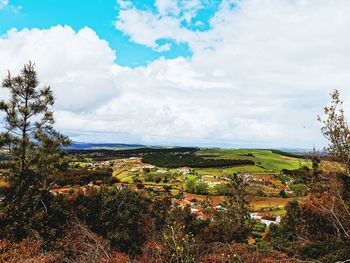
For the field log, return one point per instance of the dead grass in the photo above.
(3, 183)
(257, 203)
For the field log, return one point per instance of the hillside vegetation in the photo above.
(171, 160)
(265, 161)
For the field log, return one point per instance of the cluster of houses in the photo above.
(135, 164)
(203, 214)
(196, 208)
(267, 219)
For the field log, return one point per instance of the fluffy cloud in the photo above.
(182, 9)
(166, 7)
(258, 77)
(169, 23)
(145, 28)
(78, 65)
(3, 3)
(269, 64)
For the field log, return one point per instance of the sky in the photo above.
(219, 73)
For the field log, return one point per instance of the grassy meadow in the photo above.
(266, 161)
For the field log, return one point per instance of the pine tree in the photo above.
(28, 208)
(30, 137)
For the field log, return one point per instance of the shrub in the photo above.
(115, 215)
(256, 234)
(283, 194)
(300, 189)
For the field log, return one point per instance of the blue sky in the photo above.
(100, 16)
(233, 73)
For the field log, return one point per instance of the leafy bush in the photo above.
(27, 211)
(283, 194)
(84, 176)
(115, 215)
(196, 187)
(302, 175)
(317, 250)
(256, 234)
(201, 188)
(222, 189)
(300, 189)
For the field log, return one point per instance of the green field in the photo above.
(265, 161)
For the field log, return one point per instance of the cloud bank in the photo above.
(259, 75)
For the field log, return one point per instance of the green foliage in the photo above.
(172, 160)
(283, 194)
(233, 223)
(300, 189)
(103, 154)
(84, 176)
(260, 227)
(190, 185)
(201, 188)
(317, 250)
(265, 160)
(336, 130)
(159, 210)
(283, 235)
(160, 177)
(27, 211)
(116, 215)
(30, 137)
(28, 208)
(301, 175)
(299, 156)
(222, 189)
(196, 187)
(256, 234)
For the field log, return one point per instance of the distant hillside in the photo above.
(82, 145)
(103, 153)
(294, 154)
(294, 151)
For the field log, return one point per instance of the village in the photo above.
(134, 173)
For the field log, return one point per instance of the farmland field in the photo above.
(266, 161)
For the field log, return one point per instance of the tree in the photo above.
(318, 228)
(28, 208)
(283, 194)
(201, 188)
(336, 130)
(117, 215)
(190, 185)
(222, 189)
(299, 189)
(282, 235)
(233, 223)
(30, 137)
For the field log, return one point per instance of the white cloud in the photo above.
(258, 77)
(124, 4)
(145, 27)
(76, 64)
(3, 3)
(166, 7)
(275, 61)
